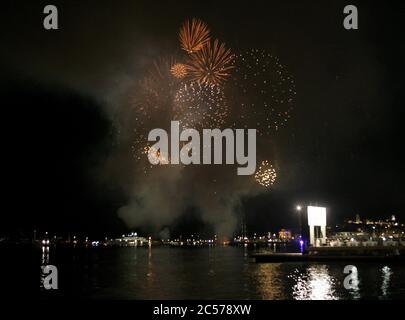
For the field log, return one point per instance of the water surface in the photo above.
(213, 273)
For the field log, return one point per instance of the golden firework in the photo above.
(269, 92)
(200, 106)
(179, 70)
(211, 65)
(156, 155)
(159, 77)
(266, 175)
(193, 35)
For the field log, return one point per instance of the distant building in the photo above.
(367, 232)
(285, 235)
(130, 240)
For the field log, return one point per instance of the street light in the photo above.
(299, 208)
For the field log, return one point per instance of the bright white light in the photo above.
(299, 208)
(314, 284)
(317, 216)
(386, 275)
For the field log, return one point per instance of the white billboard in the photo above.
(317, 216)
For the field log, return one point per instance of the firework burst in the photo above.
(266, 175)
(193, 35)
(199, 105)
(211, 65)
(159, 81)
(142, 154)
(154, 94)
(152, 103)
(264, 91)
(156, 155)
(179, 70)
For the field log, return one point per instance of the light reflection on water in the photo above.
(314, 284)
(355, 289)
(270, 282)
(386, 278)
(45, 255)
(214, 273)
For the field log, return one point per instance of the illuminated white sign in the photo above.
(317, 216)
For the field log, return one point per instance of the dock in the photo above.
(336, 254)
(287, 257)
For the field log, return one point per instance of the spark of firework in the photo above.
(198, 105)
(179, 70)
(151, 103)
(156, 155)
(159, 80)
(266, 175)
(212, 64)
(141, 154)
(193, 35)
(265, 91)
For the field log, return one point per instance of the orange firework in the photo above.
(155, 155)
(159, 81)
(193, 35)
(179, 70)
(212, 64)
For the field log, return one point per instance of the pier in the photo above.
(336, 254)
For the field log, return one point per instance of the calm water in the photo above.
(213, 273)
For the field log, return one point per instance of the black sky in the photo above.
(343, 147)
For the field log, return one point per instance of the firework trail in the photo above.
(152, 104)
(193, 35)
(159, 81)
(211, 65)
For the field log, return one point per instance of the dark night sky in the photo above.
(343, 147)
